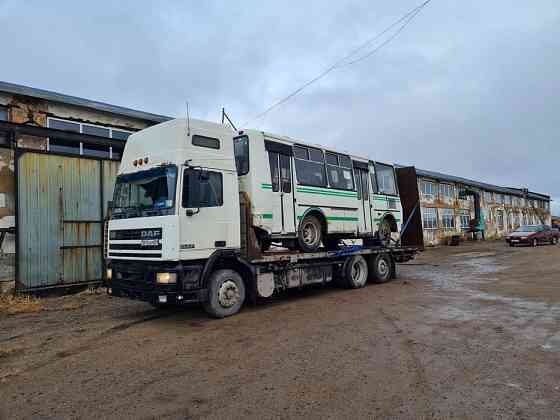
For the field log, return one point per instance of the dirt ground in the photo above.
(464, 332)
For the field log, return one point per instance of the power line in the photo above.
(406, 18)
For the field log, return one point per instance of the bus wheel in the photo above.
(226, 293)
(355, 272)
(380, 268)
(310, 234)
(384, 231)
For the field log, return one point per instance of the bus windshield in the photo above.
(145, 193)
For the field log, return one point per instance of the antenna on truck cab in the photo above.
(188, 121)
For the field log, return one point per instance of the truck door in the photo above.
(282, 193)
(364, 208)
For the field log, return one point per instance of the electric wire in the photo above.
(405, 20)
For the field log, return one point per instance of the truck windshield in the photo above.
(145, 193)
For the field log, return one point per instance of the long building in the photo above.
(445, 214)
(59, 156)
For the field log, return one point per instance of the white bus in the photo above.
(305, 195)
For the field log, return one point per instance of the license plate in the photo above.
(150, 242)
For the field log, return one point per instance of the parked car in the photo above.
(533, 235)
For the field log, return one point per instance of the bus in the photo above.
(304, 195)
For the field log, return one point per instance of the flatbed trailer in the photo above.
(271, 273)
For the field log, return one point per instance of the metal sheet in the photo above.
(59, 220)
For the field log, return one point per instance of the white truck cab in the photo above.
(176, 194)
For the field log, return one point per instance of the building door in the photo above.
(61, 204)
(283, 221)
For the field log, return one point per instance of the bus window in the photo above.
(365, 189)
(241, 152)
(385, 179)
(339, 171)
(310, 167)
(285, 178)
(274, 173)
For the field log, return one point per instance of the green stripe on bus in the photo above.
(330, 193)
(266, 186)
(338, 218)
(267, 215)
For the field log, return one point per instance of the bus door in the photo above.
(282, 193)
(364, 207)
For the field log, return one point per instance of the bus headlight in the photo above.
(166, 278)
(109, 273)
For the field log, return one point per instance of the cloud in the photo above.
(470, 88)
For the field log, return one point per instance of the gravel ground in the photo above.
(464, 332)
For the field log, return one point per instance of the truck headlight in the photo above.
(109, 273)
(166, 278)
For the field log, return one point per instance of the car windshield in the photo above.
(527, 229)
(145, 193)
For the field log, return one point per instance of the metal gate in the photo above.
(62, 204)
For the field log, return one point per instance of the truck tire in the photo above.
(226, 293)
(355, 272)
(310, 234)
(380, 268)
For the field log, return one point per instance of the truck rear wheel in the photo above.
(355, 272)
(380, 267)
(226, 293)
(310, 234)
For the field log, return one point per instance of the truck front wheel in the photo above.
(226, 293)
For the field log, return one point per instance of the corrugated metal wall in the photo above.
(62, 202)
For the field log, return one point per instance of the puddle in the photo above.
(531, 320)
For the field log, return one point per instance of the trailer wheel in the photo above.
(310, 234)
(380, 268)
(226, 293)
(355, 272)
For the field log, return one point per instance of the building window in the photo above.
(429, 218)
(500, 198)
(500, 219)
(508, 200)
(447, 218)
(464, 219)
(310, 166)
(3, 113)
(447, 191)
(428, 190)
(81, 148)
(488, 197)
(339, 171)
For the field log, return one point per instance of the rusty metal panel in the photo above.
(59, 221)
(410, 201)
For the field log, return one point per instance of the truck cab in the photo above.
(175, 203)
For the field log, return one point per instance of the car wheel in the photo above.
(535, 242)
(554, 241)
(511, 244)
(310, 234)
(226, 293)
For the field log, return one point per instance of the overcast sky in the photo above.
(470, 88)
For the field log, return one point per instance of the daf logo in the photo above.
(148, 234)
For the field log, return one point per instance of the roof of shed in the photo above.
(81, 102)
